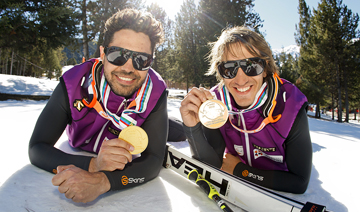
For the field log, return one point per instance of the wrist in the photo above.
(190, 124)
(104, 182)
(197, 126)
(189, 120)
(92, 165)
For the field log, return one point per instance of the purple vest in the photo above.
(88, 129)
(264, 149)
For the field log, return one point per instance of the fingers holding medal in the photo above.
(213, 114)
(137, 137)
(200, 106)
(190, 105)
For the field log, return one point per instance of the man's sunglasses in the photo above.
(119, 56)
(251, 67)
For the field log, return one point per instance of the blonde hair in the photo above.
(242, 36)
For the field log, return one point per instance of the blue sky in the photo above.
(280, 17)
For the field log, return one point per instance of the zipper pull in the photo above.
(125, 103)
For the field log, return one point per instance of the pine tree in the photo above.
(288, 68)
(187, 44)
(310, 82)
(302, 30)
(26, 24)
(162, 64)
(88, 24)
(104, 10)
(349, 24)
(215, 15)
(32, 25)
(335, 27)
(354, 79)
(325, 52)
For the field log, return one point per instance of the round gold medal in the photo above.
(213, 114)
(136, 136)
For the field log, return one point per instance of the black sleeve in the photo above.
(205, 149)
(298, 156)
(147, 166)
(54, 119)
(48, 129)
(176, 131)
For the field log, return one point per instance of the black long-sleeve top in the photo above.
(56, 115)
(208, 145)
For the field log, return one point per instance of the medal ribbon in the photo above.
(140, 103)
(260, 99)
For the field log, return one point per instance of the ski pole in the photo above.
(209, 189)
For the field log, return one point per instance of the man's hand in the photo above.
(113, 154)
(229, 163)
(80, 185)
(190, 105)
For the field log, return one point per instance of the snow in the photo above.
(24, 187)
(294, 50)
(11, 84)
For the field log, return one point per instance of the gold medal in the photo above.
(136, 136)
(213, 114)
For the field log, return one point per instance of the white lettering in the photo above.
(256, 177)
(136, 180)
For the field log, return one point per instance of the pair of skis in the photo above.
(221, 185)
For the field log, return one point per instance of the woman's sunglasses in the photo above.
(119, 56)
(251, 67)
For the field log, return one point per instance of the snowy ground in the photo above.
(333, 180)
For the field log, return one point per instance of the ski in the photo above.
(209, 190)
(246, 195)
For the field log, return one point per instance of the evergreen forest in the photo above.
(39, 37)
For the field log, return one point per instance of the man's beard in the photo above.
(124, 90)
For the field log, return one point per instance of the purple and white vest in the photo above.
(264, 149)
(88, 129)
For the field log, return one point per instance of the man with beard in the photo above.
(98, 99)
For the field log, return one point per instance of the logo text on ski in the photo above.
(188, 166)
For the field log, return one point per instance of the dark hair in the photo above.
(135, 20)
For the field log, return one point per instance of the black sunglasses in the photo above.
(119, 56)
(251, 67)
